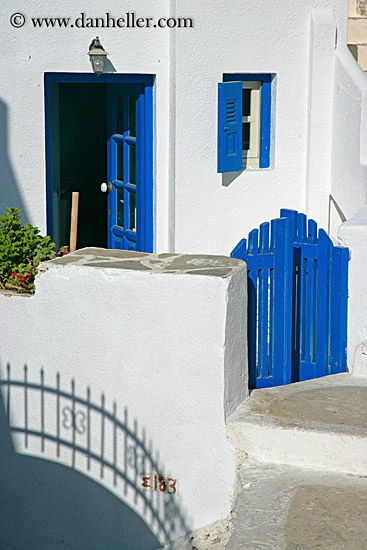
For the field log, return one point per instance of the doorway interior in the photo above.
(79, 158)
(82, 122)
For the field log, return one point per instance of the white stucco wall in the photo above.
(196, 209)
(213, 211)
(353, 234)
(32, 52)
(168, 349)
(349, 148)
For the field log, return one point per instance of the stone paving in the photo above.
(281, 507)
(336, 403)
(191, 264)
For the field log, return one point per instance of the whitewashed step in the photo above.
(320, 424)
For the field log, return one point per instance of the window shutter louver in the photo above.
(229, 126)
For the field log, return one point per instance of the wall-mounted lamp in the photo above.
(97, 55)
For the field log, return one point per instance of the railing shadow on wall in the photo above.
(88, 435)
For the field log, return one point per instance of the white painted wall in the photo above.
(360, 359)
(32, 52)
(163, 347)
(323, 38)
(213, 211)
(349, 148)
(196, 209)
(353, 234)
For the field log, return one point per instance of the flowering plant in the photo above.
(21, 251)
(63, 251)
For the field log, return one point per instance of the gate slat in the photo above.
(322, 306)
(263, 370)
(301, 228)
(344, 259)
(302, 306)
(310, 310)
(279, 234)
(334, 320)
(240, 250)
(338, 310)
(312, 232)
(272, 321)
(253, 249)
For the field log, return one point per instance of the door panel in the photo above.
(126, 155)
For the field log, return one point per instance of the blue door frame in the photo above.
(144, 222)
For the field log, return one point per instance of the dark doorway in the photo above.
(79, 155)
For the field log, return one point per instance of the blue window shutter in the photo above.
(265, 114)
(229, 126)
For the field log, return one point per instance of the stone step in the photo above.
(319, 423)
(280, 507)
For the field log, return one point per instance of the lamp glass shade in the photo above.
(98, 62)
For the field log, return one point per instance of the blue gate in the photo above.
(297, 301)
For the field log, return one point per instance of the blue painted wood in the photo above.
(323, 297)
(107, 78)
(338, 310)
(288, 276)
(265, 111)
(49, 164)
(292, 216)
(312, 232)
(252, 289)
(240, 250)
(132, 82)
(125, 238)
(301, 332)
(265, 122)
(272, 322)
(147, 241)
(280, 230)
(229, 126)
(343, 311)
(263, 304)
(335, 317)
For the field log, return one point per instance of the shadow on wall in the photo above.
(48, 505)
(9, 192)
(230, 177)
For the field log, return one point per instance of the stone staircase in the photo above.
(303, 483)
(302, 468)
(357, 31)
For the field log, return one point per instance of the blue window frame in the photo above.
(244, 121)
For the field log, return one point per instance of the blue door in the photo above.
(129, 154)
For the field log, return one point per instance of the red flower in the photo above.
(14, 274)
